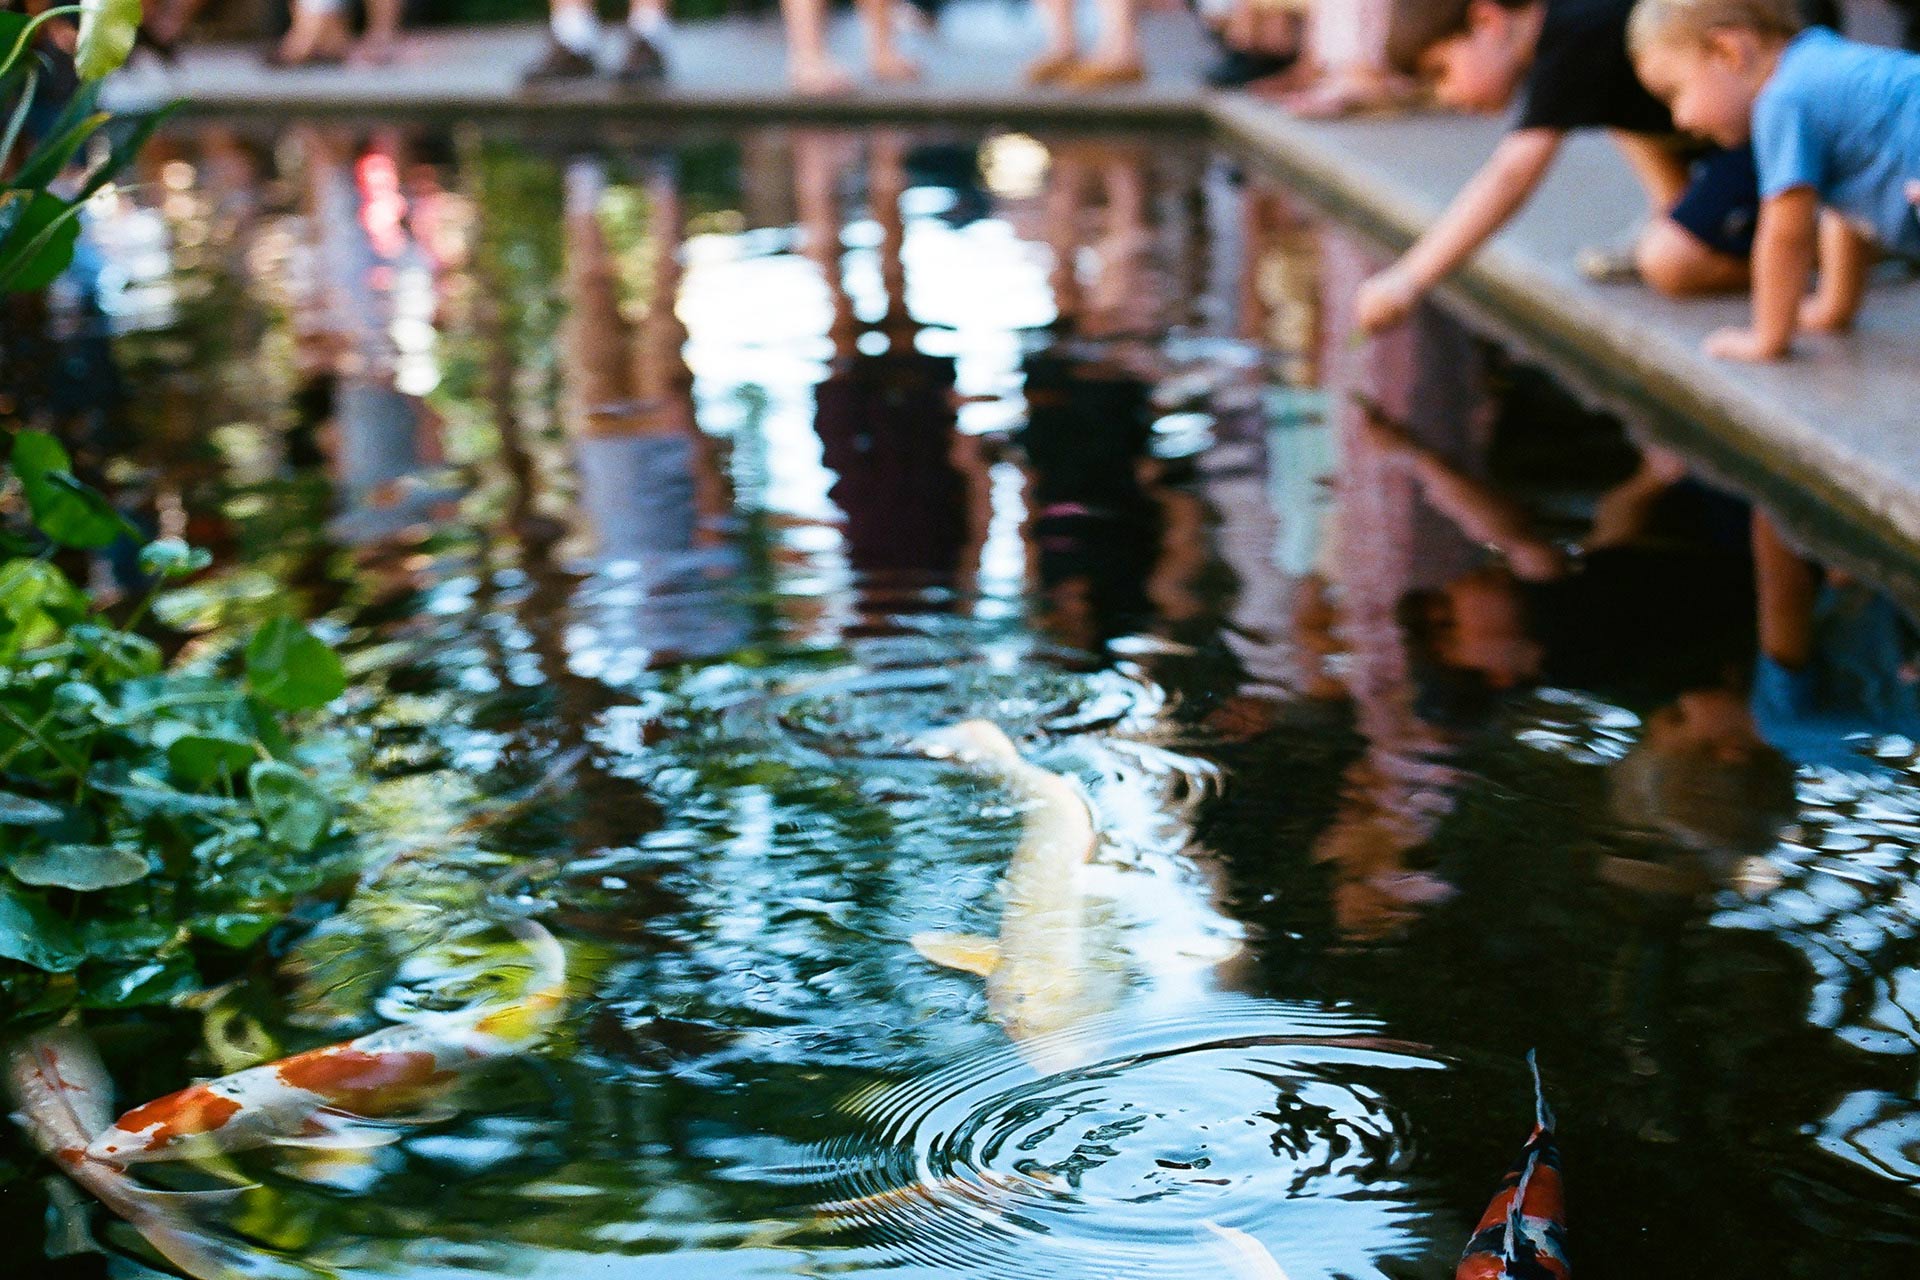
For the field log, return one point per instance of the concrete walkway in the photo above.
(1838, 428)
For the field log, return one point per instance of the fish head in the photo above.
(196, 1121)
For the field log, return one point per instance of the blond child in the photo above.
(1835, 125)
(1566, 63)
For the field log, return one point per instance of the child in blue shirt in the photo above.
(1835, 126)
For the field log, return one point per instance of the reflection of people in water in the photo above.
(912, 490)
(651, 492)
(370, 274)
(1627, 608)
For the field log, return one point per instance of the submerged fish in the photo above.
(64, 1101)
(320, 1098)
(1523, 1235)
(1036, 971)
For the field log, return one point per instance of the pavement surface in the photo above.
(1833, 432)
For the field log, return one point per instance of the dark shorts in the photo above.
(1722, 201)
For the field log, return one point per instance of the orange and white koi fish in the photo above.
(318, 1097)
(64, 1101)
(1523, 1235)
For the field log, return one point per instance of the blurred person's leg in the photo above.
(1063, 44)
(381, 40)
(1347, 43)
(1115, 57)
(810, 68)
(317, 33)
(647, 32)
(573, 30)
(883, 50)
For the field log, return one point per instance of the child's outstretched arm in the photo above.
(1783, 253)
(1490, 198)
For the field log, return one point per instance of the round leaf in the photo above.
(80, 867)
(34, 935)
(291, 668)
(204, 756)
(22, 811)
(292, 808)
(107, 29)
(172, 558)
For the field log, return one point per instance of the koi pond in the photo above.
(922, 709)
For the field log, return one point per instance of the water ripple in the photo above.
(1272, 1119)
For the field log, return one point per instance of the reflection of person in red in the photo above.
(911, 489)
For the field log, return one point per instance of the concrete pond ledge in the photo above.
(1832, 433)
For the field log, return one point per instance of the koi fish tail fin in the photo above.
(180, 1226)
(1542, 1113)
(1245, 1257)
(529, 1017)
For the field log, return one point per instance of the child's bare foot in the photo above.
(824, 78)
(1051, 67)
(895, 68)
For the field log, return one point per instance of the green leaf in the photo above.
(292, 668)
(201, 756)
(107, 29)
(37, 244)
(70, 513)
(154, 982)
(292, 807)
(234, 928)
(83, 868)
(20, 811)
(124, 939)
(35, 595)
(54, 153)
(115, 655)
(172, 558)
(34, 935)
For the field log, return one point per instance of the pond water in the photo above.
(675, 500)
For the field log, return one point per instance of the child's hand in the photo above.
(1744, 345)
(1386, 299)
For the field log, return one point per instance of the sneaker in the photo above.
(644, 63)
(560, 63)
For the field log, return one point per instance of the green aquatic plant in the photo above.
(156, 817)
(40, 218)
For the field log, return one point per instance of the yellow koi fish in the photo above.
(1036, 971)
(319, 1097)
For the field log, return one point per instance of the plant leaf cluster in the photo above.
(156, 818)
(39, 216)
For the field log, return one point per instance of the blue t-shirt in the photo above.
(1844, 119)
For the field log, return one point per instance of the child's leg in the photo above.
(809, 66)
(1701, 236)
(1844, 257)
(883, 53)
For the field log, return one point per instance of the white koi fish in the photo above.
(1036, 971)
(65, 1101)
(318, 1098)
